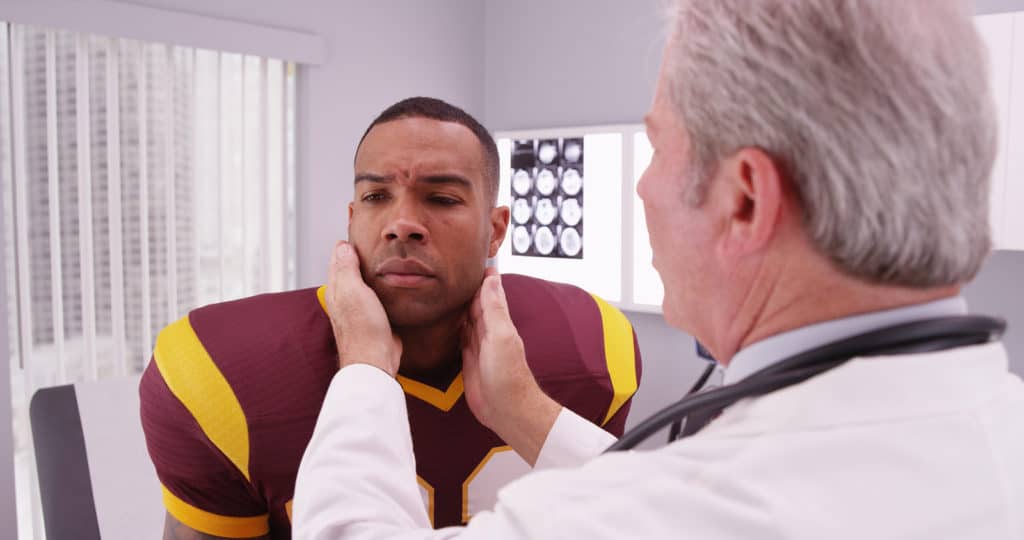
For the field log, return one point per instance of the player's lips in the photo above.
(404, 273)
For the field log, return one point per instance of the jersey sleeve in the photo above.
(582, 350)
(197, 438)
(623, 366)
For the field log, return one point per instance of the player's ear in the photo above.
(499, 225)
(349, 227)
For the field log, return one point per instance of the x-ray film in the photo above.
(547, 198)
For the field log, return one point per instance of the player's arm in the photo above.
(176, 530)
(594, 417)
(614, 421)
(198, 441)
(623, 367)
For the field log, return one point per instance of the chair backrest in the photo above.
(95, 477)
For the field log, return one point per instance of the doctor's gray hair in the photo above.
(878, 112)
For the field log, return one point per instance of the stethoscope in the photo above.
(698, 408)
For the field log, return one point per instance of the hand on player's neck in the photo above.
(432, 354)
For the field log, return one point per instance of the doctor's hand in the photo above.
(500, 388)
(361, 327)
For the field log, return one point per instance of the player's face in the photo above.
(422, 219)
(681, 234)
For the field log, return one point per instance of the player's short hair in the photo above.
(436, 109)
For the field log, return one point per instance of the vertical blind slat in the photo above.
(53, 177)
(282, 171)
(291, 238)
(264, 199)
(275, 154)
(243, 188)
(21, 182)
(143, 99)
(114, 201)
(85, 243)
(170, 182)
(222, 214)
(196, 274)
(7, 126)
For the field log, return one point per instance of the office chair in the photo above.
(95, 477)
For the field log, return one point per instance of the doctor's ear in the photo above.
(751, 195)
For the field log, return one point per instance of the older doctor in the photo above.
(820, 170)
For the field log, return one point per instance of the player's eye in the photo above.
(444, 200)
(374, 196)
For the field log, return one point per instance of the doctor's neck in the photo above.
(806, 288)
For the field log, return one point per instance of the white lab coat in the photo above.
(926, 446)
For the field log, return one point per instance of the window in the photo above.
(140, 180)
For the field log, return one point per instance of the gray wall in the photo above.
(984, 7)
(570, 62)
(999, 290)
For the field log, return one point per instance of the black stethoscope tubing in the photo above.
(702, 380)
(914, 337)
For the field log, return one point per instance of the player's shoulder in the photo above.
(530, 297)
(253, 331)
(263, 310)
(266, 354)
(256, 320)
(567, 327)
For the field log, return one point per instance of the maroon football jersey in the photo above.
(231, 399)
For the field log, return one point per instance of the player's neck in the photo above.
(431, 354)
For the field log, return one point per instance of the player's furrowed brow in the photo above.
(376, 178)
(447, 179)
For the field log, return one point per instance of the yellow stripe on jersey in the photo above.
(194, 379)
(618, 354)
(430, 497)
(215, 524)
(442, 400)
(321, 295)
(288, 510)
(472, 476)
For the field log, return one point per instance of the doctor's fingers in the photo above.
(341, 264)
(475, 319)
(493, 309)
(348, 297)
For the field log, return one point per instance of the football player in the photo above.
(231, 397)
